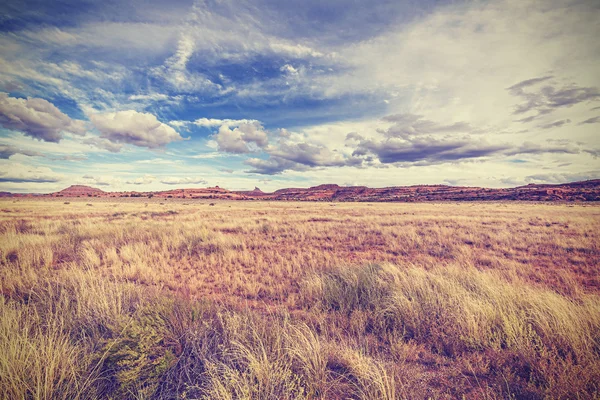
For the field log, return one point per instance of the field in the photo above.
(176, 299)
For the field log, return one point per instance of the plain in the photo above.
(148, 298)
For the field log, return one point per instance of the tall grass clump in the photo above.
(243, 355)
(456, 311)
(38, 360)
(77, 336)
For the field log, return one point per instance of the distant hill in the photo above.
(80, 190)
(574, 191)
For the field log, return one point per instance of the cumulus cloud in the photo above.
(308, 154)
(142, 180)
(183, 181)
(7, 151)
(37, 118)
(410, 139)
(136, 128)
(299, 157)
(272, 165)
(247, 137)
(19, 173)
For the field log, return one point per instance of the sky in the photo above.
(156, 95)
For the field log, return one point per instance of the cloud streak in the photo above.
(549, 97)
(7, 151)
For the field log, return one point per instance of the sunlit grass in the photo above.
(139, 299)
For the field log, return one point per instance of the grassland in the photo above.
(171, 299)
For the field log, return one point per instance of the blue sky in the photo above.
(153, 95)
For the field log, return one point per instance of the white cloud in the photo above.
(20, 173)
(152, 97)
(69, 146)
(247, 137)
(453, 63)
(37, 118)
(203, 156)
(101, 180)
(556, 178)
(157, 161)
(289, 69)
(142, 180)
(296, 50)
(103, 144)
(183, 181)
(136, 128)
(7, 151)
(175, 71)
(214, 122)
(458, 61)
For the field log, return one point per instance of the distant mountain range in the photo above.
(574, 191)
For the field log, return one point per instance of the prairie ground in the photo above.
(178, 299)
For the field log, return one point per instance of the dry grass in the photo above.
(245, 300)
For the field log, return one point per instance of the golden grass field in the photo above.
(157, 299)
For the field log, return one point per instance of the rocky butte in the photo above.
(574, 191)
